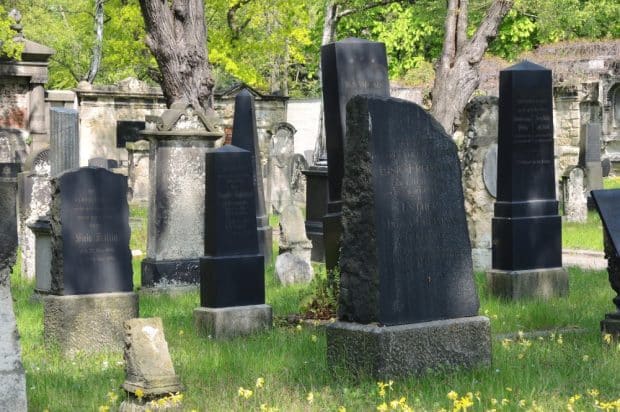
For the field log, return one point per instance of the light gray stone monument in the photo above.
(293, 262)
(574, 191)
(138, 174)
(282, 151)
(179, 140)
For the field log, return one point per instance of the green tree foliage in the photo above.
(8, 47)
(67, 27)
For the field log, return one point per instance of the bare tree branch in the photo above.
(235, 27)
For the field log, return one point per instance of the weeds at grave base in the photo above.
(322, 301)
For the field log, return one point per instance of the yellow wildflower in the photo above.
(382, 408)
(508, 388)
(453, 395)
(505, 401)
(593, 392)
(342, 409)
(560, 340)
(260, 382)
(607, 338)
(298, 327)
(506, 343)
(522, 403)
(181, 333)
(314, 338)
(104, 408)
(139, 394)
(244, 393)
(493, 401)
(112, 396)
(585, 358)
(310, 397)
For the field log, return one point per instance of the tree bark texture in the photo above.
(95, 60)
(457, 75)
(176, 35)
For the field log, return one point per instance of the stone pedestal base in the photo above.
(409, 350)
(225, 323)
(528, 284)
(89, 323)
(160, 273)
(611, 325)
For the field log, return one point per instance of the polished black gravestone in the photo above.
(91, 288)
(232, 284)
(527, 242)
(317, 196)
(607, 203)
(90, 233)
(128, 131)
(244, 136)
(348, 68)
(406, 277)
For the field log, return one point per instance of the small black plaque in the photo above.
(128, 131)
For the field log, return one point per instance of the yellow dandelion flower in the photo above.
(342, 409)
(260, 382)
(245, 393)
(574, 399)
(607, 338)
(139, 394)
(593, 392)
(310, 397)
(382, 408)
(453, 395)
(394, 404)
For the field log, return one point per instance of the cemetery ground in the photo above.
(546, 356)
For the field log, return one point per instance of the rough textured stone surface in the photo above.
(574, 189)
(225, 323)
(88, 323)
(147, 361)
(406, 350)
(138, 173)
(406, 255)
(292, 269)
(12, 375)
(528, 284)
(292, 229)
(477, 152)
(282, 151)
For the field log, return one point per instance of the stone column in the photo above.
(138, 174)
(37, 125)
(179, 141)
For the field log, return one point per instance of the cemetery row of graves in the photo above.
(216, 316)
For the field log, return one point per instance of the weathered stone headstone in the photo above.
(590, 157)
(527, 238)
(406, 278)
(103, 163)
(606, 166)
(479, 164)
(282, 152)
(179, 139)
(607, 203)
(348, 68)
(138, 171)
(232, 284)
(12, 375)
(244, 136)
(91, 273)
(64, 151)
(293, 262)
(42, 230)
(574, 194)
(148, 364)
(128, 131)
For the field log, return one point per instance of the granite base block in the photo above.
(611, 325)
(88, 323)
(409, 350)
(160, 273)
(226, 323)
(528, 284)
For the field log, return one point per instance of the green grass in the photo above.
(611, 182)
(547, 370)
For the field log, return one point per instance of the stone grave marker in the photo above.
(527, 238)
(607, 202)
(128, 131)
(244, 136)
(406, 277)
(590, 157)
(348, 68)
(293, 262)
(282, 152)
(8, 212)
(232, 284)
(103, 163)
(91, 272)
(574, 195)
(64, 151)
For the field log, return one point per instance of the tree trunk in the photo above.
(330, 23)
(457, 75)
(176, 35)
(95, 60)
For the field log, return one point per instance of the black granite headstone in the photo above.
(526, 225)
(348, 68)
(103, 163)
(128, 131)
(406, 255)
(90, 233)
(244, 136)
(317, 197)
(232, 270)
(8, 213)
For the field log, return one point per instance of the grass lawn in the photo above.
(587, 235)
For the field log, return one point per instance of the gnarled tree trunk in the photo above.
(457, 75)
(176, 35)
